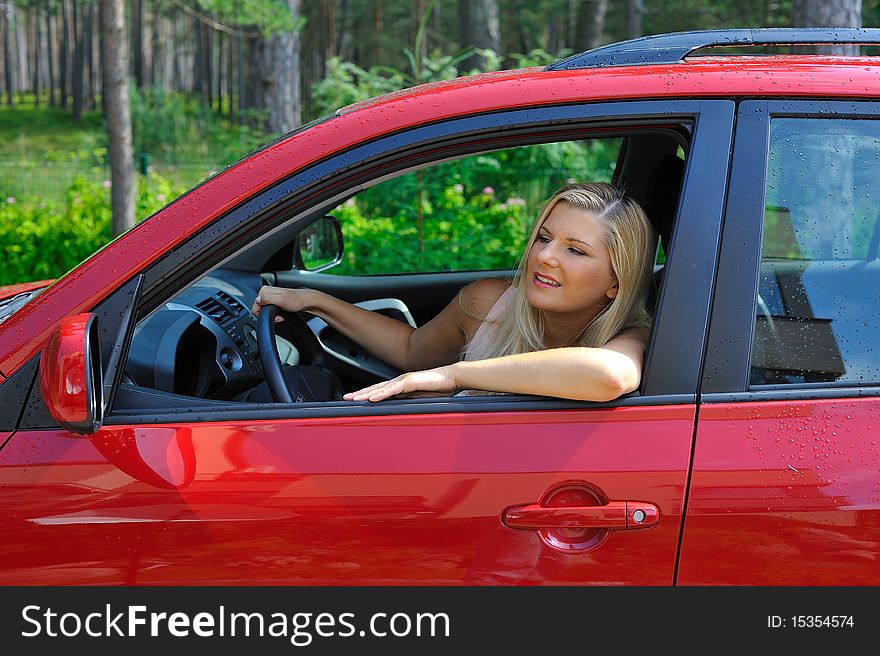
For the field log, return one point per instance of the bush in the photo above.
(41, 240)
(173, 127)
(452, 232)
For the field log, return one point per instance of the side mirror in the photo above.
(71, 378)
(319, 246)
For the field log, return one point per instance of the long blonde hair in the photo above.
(631, 243)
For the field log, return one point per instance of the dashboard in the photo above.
(203, 343)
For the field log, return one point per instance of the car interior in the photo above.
(202, 347)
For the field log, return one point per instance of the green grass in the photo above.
(25, 130)
(44, 149)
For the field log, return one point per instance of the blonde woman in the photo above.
(573, 324)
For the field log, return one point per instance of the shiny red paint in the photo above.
(23, 334)
(65, 382)
(354, 501)
(789, 487)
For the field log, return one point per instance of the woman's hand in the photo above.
(289, 300)
(441, 379)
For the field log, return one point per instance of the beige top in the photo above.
(486, 332)
(487, 329)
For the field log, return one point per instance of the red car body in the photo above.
(746, 488)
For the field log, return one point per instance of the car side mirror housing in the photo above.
(319, 246)
(71, 378)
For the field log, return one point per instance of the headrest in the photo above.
(663, 191)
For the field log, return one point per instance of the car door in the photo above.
(472, 490)
(784, 489)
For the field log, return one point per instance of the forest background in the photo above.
(207, 81)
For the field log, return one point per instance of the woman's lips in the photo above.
(545, 282)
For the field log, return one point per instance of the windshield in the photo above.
(8, 306)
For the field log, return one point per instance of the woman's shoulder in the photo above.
(638, 333)
(475, 302)
(480, 296)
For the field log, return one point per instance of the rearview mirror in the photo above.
(319, 246)
(71, 376)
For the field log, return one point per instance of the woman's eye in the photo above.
(544, 239)
(576, 251)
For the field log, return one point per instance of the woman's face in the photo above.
(568, 270)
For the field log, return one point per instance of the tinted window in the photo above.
(819, 295)
(470, 214)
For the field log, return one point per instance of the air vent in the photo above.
(231, 302)
(221, 307)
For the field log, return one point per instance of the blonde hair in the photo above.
(631, 243)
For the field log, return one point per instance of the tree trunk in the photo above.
(254, 97)
(7, 53)
(590, 24)
(230, 79)
(78, 67)
(50, 57)
(33, 22)
(344, 39)
(280, 79)
(115, 56)
(219, 76)
(91, 23)
(378, 31)
(827, 13)
(208, 65)
(196, 31)
(22, 62)
(421, 7)
(137, 41)
(478, 27)
(634, 11)
(515, 35)
(239, 60)
(157, 47)
(64, 54)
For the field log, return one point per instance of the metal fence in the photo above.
(47, 181)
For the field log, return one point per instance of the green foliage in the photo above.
(268, 16)
(450, 232)
(347, 83)
(537, 57)
(175, 127)
(40, 240)
(472, 213)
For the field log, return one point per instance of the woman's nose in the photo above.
(549, 255)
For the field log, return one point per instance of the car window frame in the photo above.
(673, 362)
(727, 365)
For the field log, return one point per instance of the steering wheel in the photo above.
(305, 341)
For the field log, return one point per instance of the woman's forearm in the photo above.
(586, 374)
(382, 336)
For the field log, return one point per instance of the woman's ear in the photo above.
(611, 292)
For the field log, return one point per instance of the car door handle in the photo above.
(615, 515)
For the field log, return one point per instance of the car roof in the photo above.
(699, 76)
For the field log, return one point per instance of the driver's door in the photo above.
(411, 497)
(481, 490)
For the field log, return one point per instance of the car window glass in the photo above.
(471, 214)
(819, 294)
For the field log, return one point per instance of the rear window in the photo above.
(818, 306)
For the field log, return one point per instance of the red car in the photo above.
(132, 452)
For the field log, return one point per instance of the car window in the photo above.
(471, 214)
(819, 294)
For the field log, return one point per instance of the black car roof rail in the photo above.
(673, 47)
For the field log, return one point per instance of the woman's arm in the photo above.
(586, 374)
(437, 343)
